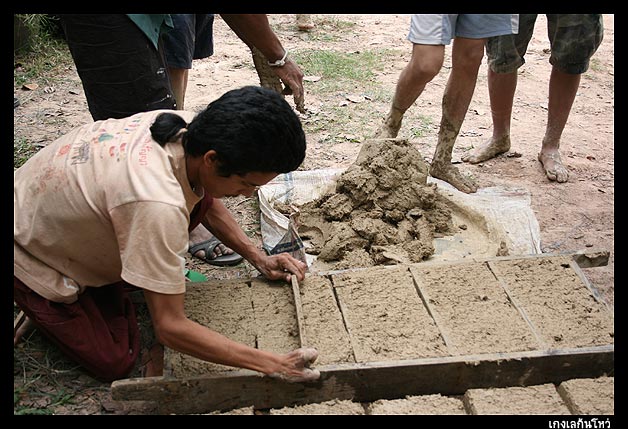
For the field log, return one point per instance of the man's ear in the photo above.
(210, 157)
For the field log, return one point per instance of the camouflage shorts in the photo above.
(574, 38)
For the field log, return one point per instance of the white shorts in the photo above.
(440, 29)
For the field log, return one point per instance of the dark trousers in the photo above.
(121, 71)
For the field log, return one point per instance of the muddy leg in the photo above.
(441, 166)
(304, 22)
(501, 88)
(466, 58)
(424, 65)
(392, 124)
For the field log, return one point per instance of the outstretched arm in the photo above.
(220, 222)
(255, 31)
(173, 329)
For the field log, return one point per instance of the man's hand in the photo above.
(281, 266)
(296, 369)
(255, 31)
(292, 78)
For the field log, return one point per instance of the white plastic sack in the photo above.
(493, 216)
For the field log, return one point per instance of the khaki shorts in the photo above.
(574, 38)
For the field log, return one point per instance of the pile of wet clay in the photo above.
(381, 212)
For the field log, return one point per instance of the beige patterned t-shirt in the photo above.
(101, 204)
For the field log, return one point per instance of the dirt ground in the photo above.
(341, 114)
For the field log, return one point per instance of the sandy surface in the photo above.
(501, 305)
(328, 407)
(423, 405)
(563, 311)
(473, 310)
(386, 318)
(324, 325)
(225, 307)
(539, 399)
(589, 395)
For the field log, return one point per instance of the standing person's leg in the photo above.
(501, 90)
(429, 33)
(190, 39)
(562, 93)
(424, 65)
(574, 38)
(505, 55)
(99, 331)
(466, 58)
(121, 71)
(179, 83)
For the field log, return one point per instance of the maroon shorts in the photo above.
(99, 331)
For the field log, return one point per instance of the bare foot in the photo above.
(488, 150)
(152, 363)
(22, 326)
(304, 22)
(451, 175)
(201, 234)
(553, 166)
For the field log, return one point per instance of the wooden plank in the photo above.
(369, 381)
(584, 258)
(299, 309)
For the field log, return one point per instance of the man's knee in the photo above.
(469, 58)
(111, 364)
(425, 70)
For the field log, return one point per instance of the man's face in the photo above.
(235, 185)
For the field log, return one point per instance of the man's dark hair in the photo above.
(251, 129)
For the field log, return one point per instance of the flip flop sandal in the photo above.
(220, 261)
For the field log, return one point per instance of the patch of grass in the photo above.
(595, 65)
(41, 377)
(341, 70)
(332, 23)
(47, 401)
(328, 28)
(22, 151)
(424, 125)
(44, 55)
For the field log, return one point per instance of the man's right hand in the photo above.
(296, 366)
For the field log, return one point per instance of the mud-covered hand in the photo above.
(281, 266)
(292, 78)
(295, 366)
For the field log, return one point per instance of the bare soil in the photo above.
(572, 216)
